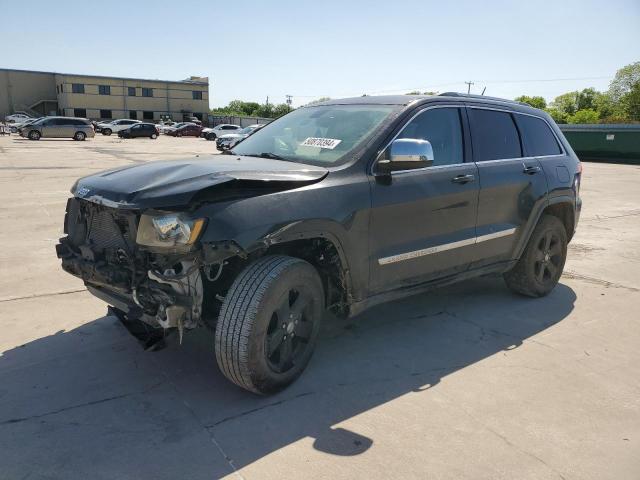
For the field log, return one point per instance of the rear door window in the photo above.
(494, 135)
(538, 138)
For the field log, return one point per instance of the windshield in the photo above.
(317, 135)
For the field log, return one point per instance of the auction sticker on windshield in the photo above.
(329, 143)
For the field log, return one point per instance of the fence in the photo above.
(242, 121)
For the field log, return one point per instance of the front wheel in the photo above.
(154, 136)
(106, 131)
(34, 135)
(80, 136)
(540, 266)
(269, 323)
(210, 136)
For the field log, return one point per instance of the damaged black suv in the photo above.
(336, 206)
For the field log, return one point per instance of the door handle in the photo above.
(530, 170)
(463, 178)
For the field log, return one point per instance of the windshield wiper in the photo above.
(269, 155)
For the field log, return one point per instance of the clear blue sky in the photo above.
(250, 49)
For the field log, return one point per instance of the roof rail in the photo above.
(483, 97)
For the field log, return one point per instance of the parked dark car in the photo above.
(336, 206)
(148, 130)
(188, 130)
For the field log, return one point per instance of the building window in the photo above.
(133, 115)
(197, 95)
(147, 92)
(104, 89)
(132, 91)
(105, 114)
(76, 87)
(80, 112)
(147, 115)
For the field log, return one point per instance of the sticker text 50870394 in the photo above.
(329, 143)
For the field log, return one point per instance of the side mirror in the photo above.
(406, 154)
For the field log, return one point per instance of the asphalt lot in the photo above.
(469, 381)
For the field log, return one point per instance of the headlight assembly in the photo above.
(168, 230)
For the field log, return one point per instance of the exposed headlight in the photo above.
(170, 230)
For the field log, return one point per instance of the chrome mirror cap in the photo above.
(407, 154)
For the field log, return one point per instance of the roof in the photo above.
(374, 100)
(408, 99)
(188, 81)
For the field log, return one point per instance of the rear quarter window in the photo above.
(538, 138)
(494, 135)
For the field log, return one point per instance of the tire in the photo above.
(34, 135)
(540, 266)
(106, 131)
(153, 136)
(80, 136)
(211, 136)
(277, 302)
(179, 134)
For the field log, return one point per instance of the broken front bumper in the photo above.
(162, 290)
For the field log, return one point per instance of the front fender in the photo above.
(331, 209)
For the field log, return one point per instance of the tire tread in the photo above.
(238, 315)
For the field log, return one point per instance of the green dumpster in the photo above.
(614, 142)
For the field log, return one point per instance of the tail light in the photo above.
(577, 179)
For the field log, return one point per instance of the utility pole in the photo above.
(289, 101)
(469, 86)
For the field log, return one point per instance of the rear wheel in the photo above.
(34, 135)
(540, 266)
(269, 323)
(80, 136)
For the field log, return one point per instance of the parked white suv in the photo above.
(218, 130)
(116, 125)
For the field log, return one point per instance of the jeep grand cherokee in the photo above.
(338, 206)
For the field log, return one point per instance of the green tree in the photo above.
(566, 103)
(586, 99)
(319, 100)
(557, 115)
(631, 103)
(587, 115)
(624, 81)
(535, 102)
(281, 109)
(413, 92)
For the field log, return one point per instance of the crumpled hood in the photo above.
(174, 183)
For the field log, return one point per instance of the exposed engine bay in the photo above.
(164, 290)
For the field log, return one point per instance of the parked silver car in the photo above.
(230, 140)
(59, 127)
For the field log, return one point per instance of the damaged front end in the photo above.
(161, 287)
